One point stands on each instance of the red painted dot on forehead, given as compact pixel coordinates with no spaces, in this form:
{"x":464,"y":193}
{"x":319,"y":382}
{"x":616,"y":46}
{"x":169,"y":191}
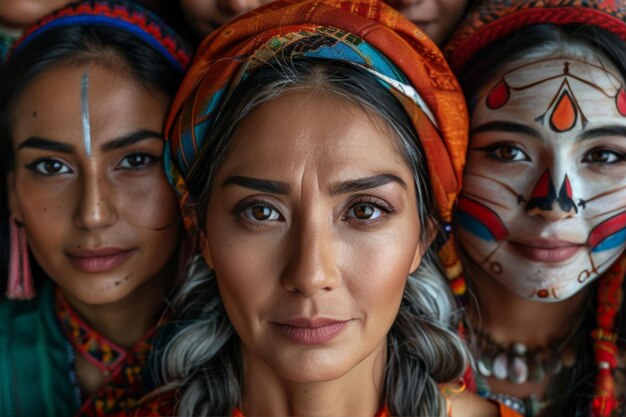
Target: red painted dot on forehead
{"x":498,"y":96}
{"x":620,"y":101}
{"x":543,"y":293}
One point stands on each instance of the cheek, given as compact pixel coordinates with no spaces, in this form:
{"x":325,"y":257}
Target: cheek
{"x":42,"y":207}
{"x":376,"y":267}
{"x":149,"y":204}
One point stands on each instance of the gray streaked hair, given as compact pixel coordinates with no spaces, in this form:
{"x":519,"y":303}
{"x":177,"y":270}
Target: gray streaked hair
{"x":202,"y":359}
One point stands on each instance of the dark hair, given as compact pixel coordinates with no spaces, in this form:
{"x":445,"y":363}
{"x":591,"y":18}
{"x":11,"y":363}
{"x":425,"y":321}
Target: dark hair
{"x":574,"y":395}
{"x":202,"y":358}
{"x":71,"y":45}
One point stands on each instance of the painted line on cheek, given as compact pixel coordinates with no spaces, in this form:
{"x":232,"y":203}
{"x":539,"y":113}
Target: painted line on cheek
{"x":480,"y":220}
{"x":609,"y":234}
{"x":84,"y":90}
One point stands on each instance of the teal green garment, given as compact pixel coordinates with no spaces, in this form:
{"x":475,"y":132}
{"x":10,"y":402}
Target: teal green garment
{"x":6,"y":41}
{"x":36,"y":362}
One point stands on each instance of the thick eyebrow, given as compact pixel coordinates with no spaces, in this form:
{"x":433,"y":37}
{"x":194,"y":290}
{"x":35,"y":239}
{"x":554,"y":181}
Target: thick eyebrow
{"x":130,"y":139}
{"x":602,"y":131}
{"x":367,"y":183}
{"x":512,"y":127}
{"x":257,"y":184}
{"x":36,"y":142}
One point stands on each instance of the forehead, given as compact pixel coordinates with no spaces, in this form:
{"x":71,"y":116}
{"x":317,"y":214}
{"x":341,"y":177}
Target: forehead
{"x":51,"y":105}
{"x":539,"y":89}
{"x":305,"y":127}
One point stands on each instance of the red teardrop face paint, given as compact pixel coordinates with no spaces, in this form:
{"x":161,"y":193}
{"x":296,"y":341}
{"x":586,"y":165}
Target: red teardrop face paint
{"x":498,"y":96}
{"x":547,"y":160}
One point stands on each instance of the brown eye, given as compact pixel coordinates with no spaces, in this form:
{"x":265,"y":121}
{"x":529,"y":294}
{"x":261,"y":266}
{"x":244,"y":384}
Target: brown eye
{"x":50,"y":167}
{"x":510,"y":153}
{"x":603,"y":156}
{"x":136,"y":161}
{"x":261,"y":213}
{"x":365,"y":212}
{"x":506,"y":153}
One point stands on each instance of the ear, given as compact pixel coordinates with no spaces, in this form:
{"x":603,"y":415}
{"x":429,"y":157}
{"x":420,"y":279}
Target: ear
{"x":431,"y":231}
{"x":13,"y":206}
{"x":205,"y":250}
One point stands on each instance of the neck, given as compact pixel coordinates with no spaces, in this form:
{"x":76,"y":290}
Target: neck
{"x":359,"y":392}
{"x":509,"y":318}
{"x":125,"y":321}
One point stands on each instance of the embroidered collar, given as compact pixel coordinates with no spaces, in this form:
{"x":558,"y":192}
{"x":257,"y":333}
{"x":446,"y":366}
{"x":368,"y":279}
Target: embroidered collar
{"x":125,"y":381}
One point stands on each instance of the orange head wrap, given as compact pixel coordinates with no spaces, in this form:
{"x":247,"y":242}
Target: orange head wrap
{"x":367,"y":33}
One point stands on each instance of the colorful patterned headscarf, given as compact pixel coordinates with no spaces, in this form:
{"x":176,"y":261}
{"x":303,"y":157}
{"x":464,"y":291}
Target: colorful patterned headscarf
{"x":123,"y":15}
{"x":492,"y":20}
{"x":367,"y":33}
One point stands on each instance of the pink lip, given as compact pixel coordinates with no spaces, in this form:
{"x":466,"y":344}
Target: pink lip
{"x":98,"y":260}
{"x":549,"y":251}
{"x":306,"y":331}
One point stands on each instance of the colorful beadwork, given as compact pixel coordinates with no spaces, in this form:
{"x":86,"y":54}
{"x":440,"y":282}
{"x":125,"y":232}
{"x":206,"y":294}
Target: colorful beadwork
{"x":123,"y":369}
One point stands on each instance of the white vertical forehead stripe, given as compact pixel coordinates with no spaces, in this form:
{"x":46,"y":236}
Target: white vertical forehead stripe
{"x":84,"y":92}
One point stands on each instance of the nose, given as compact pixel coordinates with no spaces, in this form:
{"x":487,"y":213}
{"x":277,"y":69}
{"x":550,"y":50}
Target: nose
{"x":547,"y":203}
{"x":313,"y":267}
{"x":96,"y":208}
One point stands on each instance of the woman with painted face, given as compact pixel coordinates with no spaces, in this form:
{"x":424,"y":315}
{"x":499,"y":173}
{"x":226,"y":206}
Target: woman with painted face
{"x":542,"y":215}
{"x":303,"y":144}
{"x":94,"y":227}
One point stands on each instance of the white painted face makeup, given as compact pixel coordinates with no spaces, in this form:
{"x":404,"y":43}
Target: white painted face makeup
{"x":543,"y":208}
{"x":84,"y":94}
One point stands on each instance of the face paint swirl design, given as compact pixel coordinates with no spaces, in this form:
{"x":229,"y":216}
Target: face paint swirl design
{"x":543,"y":209}
{"x":84,"y":94}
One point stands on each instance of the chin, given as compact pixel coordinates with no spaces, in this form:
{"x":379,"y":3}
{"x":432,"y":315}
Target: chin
{"x":311,"y":369}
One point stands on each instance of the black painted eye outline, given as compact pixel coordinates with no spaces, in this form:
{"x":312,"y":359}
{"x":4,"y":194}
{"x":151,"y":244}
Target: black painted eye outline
{"x":42,"y":167}
{"x":495,"y":151}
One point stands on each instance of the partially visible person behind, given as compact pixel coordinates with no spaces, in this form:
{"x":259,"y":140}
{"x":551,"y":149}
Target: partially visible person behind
{"x":204,"y":16}
{"x":317,"y":146}
{"x":94,"y":230}
{"x":542,"y":213}
{"x":16,"y":15}
{"x":437,"y":18}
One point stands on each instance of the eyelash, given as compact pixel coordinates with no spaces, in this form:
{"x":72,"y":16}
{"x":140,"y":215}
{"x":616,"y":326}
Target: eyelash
{"x":37,"y":167}
{"x":491,"y":150}
{"x":620,"y":156}
{"x":379,"y":204}
{"x":241,"y":208}
{"x":386,"y":209}
{"x":39,"y":171}
{"x":150,"y":160}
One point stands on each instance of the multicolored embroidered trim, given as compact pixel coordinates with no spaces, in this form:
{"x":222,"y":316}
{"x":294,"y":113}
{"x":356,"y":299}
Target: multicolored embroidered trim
{"x":124,"y":369}
{"x":125,"y":16}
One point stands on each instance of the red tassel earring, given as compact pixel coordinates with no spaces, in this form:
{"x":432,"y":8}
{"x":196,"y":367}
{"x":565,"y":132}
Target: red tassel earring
{"x":21,"y":285}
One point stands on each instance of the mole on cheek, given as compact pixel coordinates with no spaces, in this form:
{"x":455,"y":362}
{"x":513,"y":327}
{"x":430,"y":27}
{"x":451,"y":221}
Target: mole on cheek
{"x":34,"y":114}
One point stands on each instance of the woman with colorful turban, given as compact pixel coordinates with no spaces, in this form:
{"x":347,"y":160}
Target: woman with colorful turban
{"x":542,"y":214}
{"x":90,"y":229}
{"x":316,"y":147}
